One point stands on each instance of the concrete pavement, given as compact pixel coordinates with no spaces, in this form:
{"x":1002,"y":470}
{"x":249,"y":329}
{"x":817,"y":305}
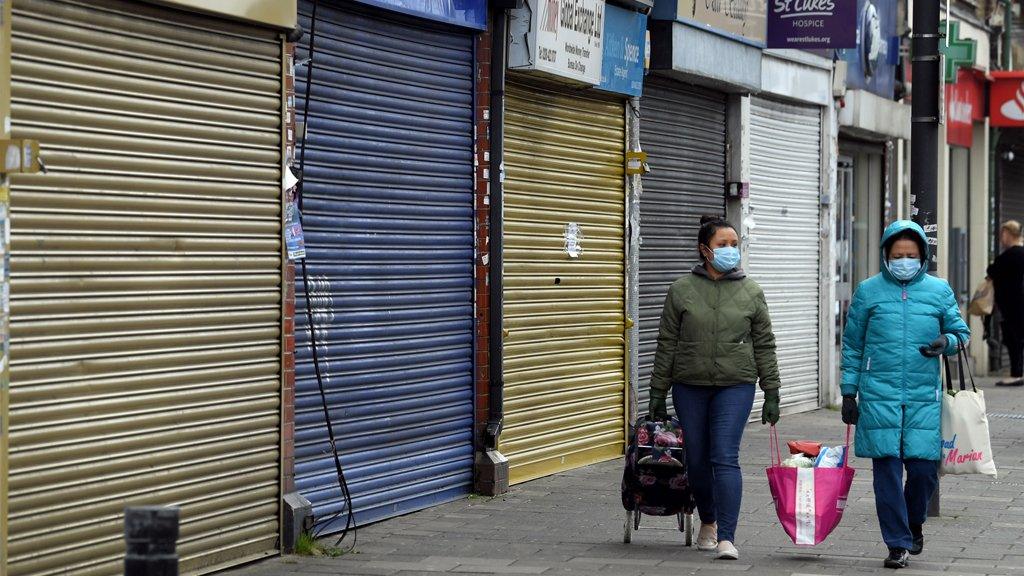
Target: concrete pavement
{"x":572,"y":523}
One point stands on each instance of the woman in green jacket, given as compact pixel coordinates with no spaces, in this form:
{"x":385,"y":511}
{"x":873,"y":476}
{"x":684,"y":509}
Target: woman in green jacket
{"x":714,"y":345}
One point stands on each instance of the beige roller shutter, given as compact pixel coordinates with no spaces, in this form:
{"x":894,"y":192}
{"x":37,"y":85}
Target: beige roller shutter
{"x":146,"y":285}
{"x":565,"y":348}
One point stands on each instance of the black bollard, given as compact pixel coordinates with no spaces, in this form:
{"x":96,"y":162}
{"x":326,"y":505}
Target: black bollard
{"x":151,"y":535}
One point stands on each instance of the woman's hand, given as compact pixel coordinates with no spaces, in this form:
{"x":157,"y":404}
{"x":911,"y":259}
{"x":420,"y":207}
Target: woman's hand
{"x":936,"y":348}
{"x":851,"y":413}
{"x":656,"y":407}
{"x":770,"y":409}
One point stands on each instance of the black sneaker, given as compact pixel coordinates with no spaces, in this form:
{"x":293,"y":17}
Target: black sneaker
{"x":898,"y":558}
{"x":918,"y":532}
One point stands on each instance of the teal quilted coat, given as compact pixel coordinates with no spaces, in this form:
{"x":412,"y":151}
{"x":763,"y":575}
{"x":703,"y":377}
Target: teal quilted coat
{"x":899,"y":390}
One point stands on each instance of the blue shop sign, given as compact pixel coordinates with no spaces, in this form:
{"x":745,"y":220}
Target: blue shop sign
{"x":872,"y":64}
{"x":467,"y":13}
{"x":622,"y":67}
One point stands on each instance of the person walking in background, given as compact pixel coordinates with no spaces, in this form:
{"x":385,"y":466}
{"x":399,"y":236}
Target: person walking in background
{"x":714,"y":344}
{"x":1007,"y":275}
{"x":900,"y":322}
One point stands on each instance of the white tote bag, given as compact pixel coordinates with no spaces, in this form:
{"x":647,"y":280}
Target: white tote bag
{"x":966,"y":445}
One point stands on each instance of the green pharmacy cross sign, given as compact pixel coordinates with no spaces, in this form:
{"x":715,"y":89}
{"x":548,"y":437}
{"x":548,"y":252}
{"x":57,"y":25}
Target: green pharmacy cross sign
{"x":959,"y":52}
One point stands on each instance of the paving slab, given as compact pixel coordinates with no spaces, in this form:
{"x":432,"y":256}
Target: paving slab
{"x":572,"y":523}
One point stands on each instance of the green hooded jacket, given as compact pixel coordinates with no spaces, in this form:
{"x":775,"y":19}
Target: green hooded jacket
{"x":715,"y":333}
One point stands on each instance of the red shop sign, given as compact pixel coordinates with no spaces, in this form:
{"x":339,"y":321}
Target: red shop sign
{"x":1006,"y":101}
{"x":965,"y":105}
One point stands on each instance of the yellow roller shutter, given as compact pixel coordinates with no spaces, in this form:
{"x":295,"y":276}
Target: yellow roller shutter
{"x":146,"y":285}
{"x":565,"y":348}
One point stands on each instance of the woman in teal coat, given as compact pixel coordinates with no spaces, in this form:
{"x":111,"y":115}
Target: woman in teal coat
{"x":899,"y":323}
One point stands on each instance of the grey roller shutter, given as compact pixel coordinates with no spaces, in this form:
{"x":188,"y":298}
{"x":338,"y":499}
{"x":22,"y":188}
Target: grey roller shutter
{"x":388,"y":214}
{"x":682,"y":129}
{"x":785,"y":247}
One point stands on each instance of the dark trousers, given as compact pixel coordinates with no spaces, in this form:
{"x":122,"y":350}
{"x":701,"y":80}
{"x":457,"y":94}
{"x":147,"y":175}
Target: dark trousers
{"x":1013,"y":339}
{"x":901,"y":505}
{"x":713,"y":418}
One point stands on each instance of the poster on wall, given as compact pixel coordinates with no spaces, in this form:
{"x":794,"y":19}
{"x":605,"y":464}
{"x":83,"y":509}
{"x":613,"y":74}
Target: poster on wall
{"x":812,"y":24}
{"x":562,"y":38}
{"x":872,"y":60}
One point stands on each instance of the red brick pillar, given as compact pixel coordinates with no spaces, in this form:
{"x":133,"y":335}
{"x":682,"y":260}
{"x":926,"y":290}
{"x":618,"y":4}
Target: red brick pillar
{"x":482,"y":206}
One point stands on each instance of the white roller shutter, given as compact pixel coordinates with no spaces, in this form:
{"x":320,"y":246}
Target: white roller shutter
{"x":785,"y":247}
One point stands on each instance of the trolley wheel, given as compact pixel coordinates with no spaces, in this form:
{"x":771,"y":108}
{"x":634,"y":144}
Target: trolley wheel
{"x":688,"y":528}
{"x":627,"y":528}
{"x":636,"y":519}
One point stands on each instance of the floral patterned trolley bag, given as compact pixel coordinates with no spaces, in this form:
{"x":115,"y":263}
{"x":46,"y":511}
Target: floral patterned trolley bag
{"x":654,"y":481}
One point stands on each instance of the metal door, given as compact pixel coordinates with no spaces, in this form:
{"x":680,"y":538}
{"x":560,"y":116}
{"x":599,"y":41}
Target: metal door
{"x":146,"y":292}
{"x":683,"y":133}
{"x":785,"y":248}
{"x":388,"y":215}
{"x":565,"y":349}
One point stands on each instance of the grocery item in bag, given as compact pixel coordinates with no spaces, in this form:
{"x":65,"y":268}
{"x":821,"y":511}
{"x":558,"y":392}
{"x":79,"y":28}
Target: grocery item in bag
{"x":808,"y":501}
{"x":831,"y":457}
{"x":798,"y":461}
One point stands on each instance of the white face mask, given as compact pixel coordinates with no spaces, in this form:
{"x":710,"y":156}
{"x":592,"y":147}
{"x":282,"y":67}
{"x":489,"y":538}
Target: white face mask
{"x":904,"y":269}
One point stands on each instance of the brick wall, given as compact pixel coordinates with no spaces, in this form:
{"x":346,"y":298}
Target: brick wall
{"x":288,"y":326}
{"x":483,"y":82}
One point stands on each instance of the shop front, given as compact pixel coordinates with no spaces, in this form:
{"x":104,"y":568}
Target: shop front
{"x":388,"y":184}
{"x":786,"y":253}
{"x":564,"y":310}
{"x":685,"y":130}
{"x":146,"y":292}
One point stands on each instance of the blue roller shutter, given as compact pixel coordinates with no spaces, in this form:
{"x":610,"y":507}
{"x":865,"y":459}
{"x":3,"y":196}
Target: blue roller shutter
{"x":388,"y":214}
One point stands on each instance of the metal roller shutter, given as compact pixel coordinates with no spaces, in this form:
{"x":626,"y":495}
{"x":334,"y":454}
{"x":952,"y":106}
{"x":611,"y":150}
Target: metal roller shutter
{"x":565,"y":348}
{"x":683,"y":133}
{"x":388,"y":214}
{"x":146,"y":285}
{"x":785,"y":252}
{"x":1011,"y":205}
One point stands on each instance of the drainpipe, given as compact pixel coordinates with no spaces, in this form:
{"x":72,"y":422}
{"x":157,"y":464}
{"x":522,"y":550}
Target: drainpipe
{"x":492,"y":466}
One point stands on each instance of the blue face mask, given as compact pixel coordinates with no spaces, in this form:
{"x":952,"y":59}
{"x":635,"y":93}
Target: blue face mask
{"x":726,"y":259}
{"x":904,"y":269}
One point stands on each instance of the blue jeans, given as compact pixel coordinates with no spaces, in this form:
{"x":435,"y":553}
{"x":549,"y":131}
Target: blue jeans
{"x":713,"y":418}
{"x":898,"y":505}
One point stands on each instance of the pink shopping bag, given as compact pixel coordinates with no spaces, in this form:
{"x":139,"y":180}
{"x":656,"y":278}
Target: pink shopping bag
{"x":809,"y":501}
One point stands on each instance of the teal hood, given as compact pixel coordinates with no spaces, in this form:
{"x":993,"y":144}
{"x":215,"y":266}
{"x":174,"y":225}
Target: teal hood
{"x":888,"y":237}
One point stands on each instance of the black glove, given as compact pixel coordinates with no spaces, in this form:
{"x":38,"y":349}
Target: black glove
{"x":936,"y":348}
{"x":851,"y":414}
{"x":770,"y":408}
{"x":656,"y":409}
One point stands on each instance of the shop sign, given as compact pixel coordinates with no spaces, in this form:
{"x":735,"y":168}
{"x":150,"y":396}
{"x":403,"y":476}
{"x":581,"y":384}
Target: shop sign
{"x":811,"y":24}
{"x":871,"y":63}
{"x":466,"y":13}
{"x":958,"y":52}
{"x":965,"y":105}
{"x":559,"y":37}
{"x":1006,"y":100}
{"x":622,"y":70}
{"x":742,"y":18}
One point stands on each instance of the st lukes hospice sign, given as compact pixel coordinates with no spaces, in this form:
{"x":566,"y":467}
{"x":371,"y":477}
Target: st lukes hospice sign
{"x":812,"y":24}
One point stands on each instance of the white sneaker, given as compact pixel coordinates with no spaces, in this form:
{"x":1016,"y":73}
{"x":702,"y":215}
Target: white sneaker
{"x":707,"y":538}
{"x":726,"y":551}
